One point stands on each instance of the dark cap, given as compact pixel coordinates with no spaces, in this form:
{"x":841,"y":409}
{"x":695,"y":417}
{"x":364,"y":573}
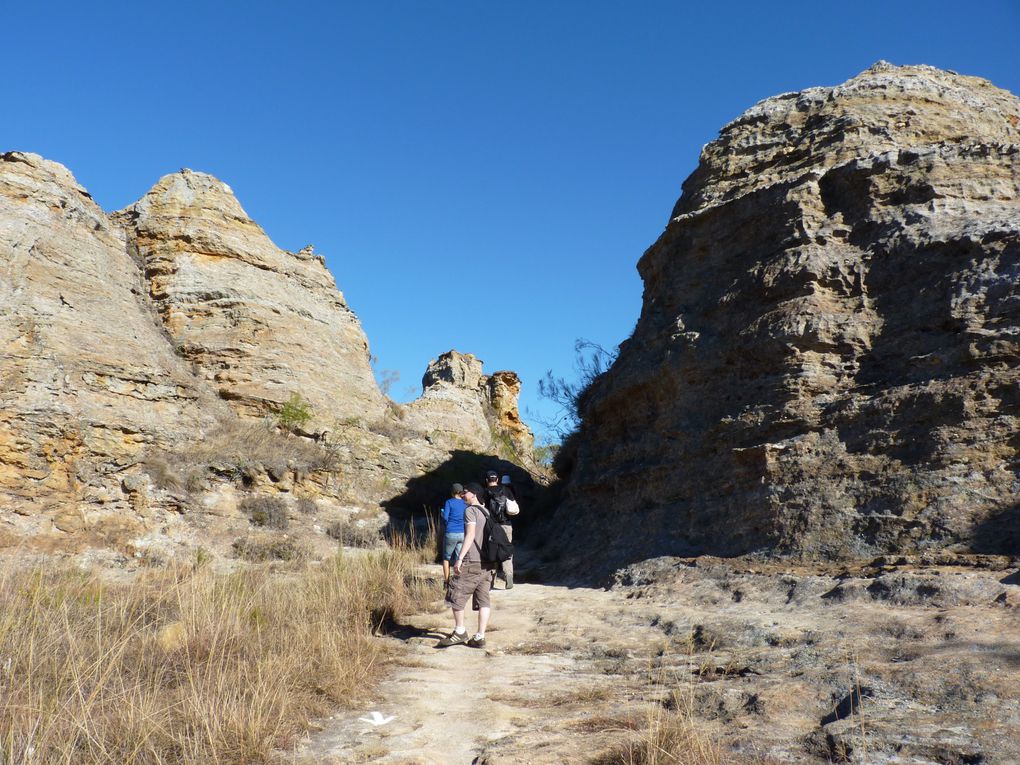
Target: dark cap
{"x":456,"y":489}
{"x":475,"y":489}
{"x":491,"y":475}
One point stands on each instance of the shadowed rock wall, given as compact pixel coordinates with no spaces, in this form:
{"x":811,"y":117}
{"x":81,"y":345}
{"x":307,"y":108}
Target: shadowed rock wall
{"x":826,"y":359}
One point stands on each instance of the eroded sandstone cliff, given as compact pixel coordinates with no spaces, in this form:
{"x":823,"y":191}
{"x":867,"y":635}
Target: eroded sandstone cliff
{"x":150,"y":355}
{"x":826,"y":359}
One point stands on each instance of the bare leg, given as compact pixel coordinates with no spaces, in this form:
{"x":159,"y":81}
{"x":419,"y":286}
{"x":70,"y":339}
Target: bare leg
{"x":458,"y":619}
{"x":483,"y":619}
{"x":446,"y":570}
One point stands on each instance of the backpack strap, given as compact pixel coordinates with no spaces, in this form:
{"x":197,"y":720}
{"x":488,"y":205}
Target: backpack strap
{"x":485,"y":514}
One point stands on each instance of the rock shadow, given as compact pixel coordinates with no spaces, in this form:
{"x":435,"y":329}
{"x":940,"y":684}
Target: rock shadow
{"x":415,"y":512}
{"x":1000,"y":534}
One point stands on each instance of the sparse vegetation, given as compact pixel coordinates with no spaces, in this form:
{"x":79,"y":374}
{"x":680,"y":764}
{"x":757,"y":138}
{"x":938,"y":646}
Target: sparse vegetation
{"x":385,"y":378}
{"x":351,"y":534}
{"x":263,"y":549}
{"x":265,"y":511}
{"x":238,"y":450}
{"x":307,"y":506}
{"x":295,"y":413}
{"x":591,"y":361}
{"x":185,"y":665}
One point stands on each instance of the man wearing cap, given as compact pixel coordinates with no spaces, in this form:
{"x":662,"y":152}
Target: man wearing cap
{"x":496,"y":496}
{"x":470,"y":579}
{"x":453,"y":522}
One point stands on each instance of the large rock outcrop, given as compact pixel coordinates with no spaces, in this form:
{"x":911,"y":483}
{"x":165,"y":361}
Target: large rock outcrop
{"x":149,"y":358}
{"x":260,"y":323}
{"x":825,"y":364}
{"x":88,"y":380}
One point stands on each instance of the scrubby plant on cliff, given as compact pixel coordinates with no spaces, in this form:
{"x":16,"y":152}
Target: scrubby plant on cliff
{"x":591,"y":361}
{"x":295,"y":413}
{"x":266,"y":511}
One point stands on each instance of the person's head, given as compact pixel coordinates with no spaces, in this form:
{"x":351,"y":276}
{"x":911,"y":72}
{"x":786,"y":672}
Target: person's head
{"x":456,"y":490}
{"x":472,"y":493}
{"x":505,"y":480}
{"x":491,"y":478}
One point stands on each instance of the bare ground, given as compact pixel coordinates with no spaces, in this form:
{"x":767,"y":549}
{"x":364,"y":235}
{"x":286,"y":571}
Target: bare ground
{"x":903,"y":662}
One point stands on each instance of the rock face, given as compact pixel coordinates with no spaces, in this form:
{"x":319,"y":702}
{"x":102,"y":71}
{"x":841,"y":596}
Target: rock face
{"x":148,"y":357}
{"x":88,"y":379}
{"x":491,"y":404}
{"x":259,"y":322}
{"x":825,"y":364}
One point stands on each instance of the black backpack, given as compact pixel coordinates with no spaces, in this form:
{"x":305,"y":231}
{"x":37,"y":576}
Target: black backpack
{"x":496,"y":503}
{"x":495,"y":547}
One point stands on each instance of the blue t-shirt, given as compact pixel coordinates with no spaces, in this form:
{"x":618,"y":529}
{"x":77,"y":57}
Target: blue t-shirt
{"x":453,"y":515}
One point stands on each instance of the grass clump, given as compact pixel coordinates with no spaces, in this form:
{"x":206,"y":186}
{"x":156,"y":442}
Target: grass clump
{"x":353,"y":535}
{"x":184,"y":665}
{"x":270,"y":512}
{"x":237,"y":449}
{"x":262,"y":550}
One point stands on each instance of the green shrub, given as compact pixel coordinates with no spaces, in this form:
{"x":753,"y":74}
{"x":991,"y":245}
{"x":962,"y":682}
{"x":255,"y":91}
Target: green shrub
{"x":266,"y":511}
{"x":294,"y":414}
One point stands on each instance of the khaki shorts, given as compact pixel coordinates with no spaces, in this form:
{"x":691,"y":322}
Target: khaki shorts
{"x":472,"y":580}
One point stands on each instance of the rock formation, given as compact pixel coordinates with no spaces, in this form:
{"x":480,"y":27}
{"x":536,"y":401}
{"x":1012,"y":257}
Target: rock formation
{"x":260,"y":323}
{"x":148,"y":357}
{"x":825,"y":364}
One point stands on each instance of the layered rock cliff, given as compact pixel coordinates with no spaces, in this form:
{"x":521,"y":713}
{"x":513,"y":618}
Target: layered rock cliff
{"x":149,"y":358}
{"x":825,"y":364}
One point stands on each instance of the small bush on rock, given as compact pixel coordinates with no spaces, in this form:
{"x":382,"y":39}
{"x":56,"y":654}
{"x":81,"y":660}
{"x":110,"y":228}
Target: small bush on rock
{"x":266,"y":511}
{"x":351,"y":535}
{"x":294,"y":414}
{"x":255,"y":550}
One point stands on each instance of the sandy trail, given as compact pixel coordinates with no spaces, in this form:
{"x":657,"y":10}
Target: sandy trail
{"x":542,"y":690}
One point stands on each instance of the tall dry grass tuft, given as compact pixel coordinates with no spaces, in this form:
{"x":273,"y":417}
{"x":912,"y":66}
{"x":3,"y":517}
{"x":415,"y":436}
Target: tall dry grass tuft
{"x":672,"y":734}
{"x":187,"y":665}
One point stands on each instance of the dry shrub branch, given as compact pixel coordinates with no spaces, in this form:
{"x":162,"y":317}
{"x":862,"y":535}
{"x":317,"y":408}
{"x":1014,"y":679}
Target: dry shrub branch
{"x":187,"y":666}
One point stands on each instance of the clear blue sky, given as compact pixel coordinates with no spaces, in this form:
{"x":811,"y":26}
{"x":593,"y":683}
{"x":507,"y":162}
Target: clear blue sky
{"x":479,"y":175}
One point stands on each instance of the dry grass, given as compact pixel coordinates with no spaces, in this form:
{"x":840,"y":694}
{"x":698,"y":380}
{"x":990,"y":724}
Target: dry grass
{"x":673,"y":735}
{"x":184,"y":665}
{"x":232,"y":450}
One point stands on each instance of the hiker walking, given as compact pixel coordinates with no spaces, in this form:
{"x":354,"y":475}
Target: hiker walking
{"x":470,"y":579}
{"x":453,"y":522}
{"x":496,"y":497}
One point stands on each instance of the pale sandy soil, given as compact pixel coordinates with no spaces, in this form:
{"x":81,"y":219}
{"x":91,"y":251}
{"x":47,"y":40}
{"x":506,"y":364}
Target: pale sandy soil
{"x":547,"y":687}
{"x":907,"y":662}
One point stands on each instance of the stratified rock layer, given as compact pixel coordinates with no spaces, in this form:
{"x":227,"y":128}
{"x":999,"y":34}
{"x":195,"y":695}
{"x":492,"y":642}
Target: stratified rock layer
{"x":826,"y":359}
{"x":88,"y":380}
{"x":148,"y":360}
{"x":260,"y":323}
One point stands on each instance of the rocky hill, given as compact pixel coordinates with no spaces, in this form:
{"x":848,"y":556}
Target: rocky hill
{"x":825,"y":364}
{"x":168,"y":363}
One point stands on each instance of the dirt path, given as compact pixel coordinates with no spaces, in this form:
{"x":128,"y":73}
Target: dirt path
{"x":549,"y":687}
{"x":894,"y":662}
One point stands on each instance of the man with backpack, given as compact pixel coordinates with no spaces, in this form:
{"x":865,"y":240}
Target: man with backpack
{"x":496,"y":499}
{"x":470,"y":579}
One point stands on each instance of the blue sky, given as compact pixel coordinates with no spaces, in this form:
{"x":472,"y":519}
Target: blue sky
{"x":479,"y":175}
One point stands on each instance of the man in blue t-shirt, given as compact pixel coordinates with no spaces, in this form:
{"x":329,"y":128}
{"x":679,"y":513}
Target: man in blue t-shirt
{"x":453,"y":521}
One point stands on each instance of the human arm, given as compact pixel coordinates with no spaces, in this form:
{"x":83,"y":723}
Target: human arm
{"x":469,"y":539}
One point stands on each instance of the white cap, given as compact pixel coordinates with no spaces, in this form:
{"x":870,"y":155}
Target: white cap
{"x":506,"y":480}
